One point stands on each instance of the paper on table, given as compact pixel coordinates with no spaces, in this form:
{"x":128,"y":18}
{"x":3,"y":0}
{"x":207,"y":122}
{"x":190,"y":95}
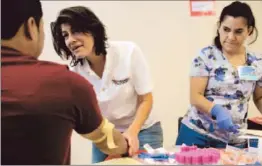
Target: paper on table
{"x":255,"y":133}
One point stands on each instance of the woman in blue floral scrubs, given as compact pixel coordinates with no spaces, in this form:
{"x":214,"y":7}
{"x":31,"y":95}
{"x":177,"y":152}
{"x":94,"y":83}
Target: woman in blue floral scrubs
{"x":220,"y":93}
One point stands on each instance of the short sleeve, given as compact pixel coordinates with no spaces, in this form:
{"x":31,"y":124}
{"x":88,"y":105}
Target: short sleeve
{"x":140,"y":72}
{"x":86,"y":110}
{"x":199,"y":67}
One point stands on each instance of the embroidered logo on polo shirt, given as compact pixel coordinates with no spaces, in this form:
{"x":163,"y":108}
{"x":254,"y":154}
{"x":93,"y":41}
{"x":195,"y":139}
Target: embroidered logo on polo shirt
{"x":120,"y":82}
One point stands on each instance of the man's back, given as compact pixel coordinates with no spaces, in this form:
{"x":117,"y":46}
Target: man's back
{"x":41,"y":105}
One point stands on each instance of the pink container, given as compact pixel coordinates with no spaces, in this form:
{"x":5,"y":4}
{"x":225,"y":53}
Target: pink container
{"x":178,"y":157}
{"x":182,"y":158}
{"x":199,"y":158}
{"x":192,"y":155}
{"x":205,"y":159}
{"x":184,"y":149}
{"x":215,"y":158}
{"x":195,"y":160}
{"x":192,"y":148}
{"x":188,"y":159}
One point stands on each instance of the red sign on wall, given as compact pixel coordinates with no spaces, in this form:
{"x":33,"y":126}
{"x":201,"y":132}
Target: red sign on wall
{"x":202,"y":7}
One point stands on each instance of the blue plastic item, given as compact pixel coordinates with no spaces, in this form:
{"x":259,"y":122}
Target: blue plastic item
{"x":156,"y":157}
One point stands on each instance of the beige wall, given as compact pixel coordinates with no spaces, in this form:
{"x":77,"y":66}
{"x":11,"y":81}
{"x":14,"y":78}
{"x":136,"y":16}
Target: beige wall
{"x":169,"y":37}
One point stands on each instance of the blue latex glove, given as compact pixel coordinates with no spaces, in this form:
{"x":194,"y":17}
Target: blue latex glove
{"x":224,"y":119}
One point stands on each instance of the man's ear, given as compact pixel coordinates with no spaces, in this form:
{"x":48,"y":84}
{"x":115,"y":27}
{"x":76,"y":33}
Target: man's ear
{"x":30,"y":28}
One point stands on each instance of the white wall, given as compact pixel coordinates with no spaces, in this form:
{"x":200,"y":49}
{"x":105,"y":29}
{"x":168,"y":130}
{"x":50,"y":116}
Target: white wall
{"x":169,"y":37}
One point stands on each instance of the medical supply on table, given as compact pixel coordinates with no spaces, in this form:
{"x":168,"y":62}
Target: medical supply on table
{"x":159,"y":154}
{"x":254,"y":140}
{"x":186,"y":155}
{"x":191,"y":155}
{"x":156,"y":156}
{"x":235,"y":156}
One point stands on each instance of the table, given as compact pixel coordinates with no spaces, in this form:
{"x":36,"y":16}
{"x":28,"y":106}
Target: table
{"x":135,"y":161}
{"x":131,"y":161}
{"x":120,"y":161}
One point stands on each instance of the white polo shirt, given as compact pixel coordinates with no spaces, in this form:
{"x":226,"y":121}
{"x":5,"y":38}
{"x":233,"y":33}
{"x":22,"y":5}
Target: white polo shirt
{"x":126,"y":75}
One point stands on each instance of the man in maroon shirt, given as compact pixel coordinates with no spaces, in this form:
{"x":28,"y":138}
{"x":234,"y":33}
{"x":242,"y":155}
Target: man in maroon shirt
{"x":42,"y":102}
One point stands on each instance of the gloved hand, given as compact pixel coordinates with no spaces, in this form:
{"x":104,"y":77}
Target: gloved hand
{"x":223,"y":119}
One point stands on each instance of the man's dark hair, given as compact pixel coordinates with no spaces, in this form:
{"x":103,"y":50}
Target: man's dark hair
{"x":15,"y":13}
{"x":81,"y":19}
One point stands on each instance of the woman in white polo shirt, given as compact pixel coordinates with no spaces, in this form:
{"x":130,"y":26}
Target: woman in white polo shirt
{"x":118,"y":72}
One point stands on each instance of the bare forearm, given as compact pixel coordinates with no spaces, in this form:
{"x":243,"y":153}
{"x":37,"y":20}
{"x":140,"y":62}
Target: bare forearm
{"x":108,"y":139}
{"x":119,"y":141}
{"x":257,"y":98}
{"x":142,"y":114}
{"x":258,"y":104}
{"x":201,"y":103}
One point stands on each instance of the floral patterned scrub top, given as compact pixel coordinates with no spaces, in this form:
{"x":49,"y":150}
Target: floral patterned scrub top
{"x":225,"y":88}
